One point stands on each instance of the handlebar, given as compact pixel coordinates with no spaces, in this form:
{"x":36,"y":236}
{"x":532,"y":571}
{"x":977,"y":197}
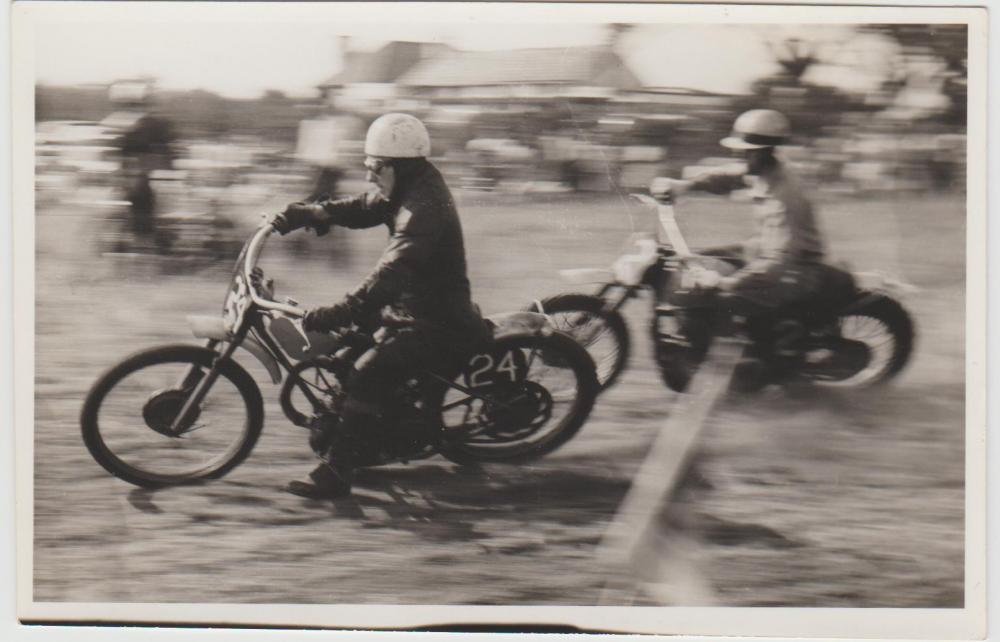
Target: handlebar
{"x":254,"y":249}
{"x":668,"y":222}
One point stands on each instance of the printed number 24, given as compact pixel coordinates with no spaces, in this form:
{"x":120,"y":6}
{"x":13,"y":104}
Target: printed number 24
{"x":481,"y":375}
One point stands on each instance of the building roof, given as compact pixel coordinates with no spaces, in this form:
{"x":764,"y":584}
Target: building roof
{"x":384,"y":65}
{"x":680,"y":91}
{"x":594,"y":66}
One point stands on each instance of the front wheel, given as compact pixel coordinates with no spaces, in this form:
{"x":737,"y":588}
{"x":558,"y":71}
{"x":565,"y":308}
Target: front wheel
{"x":518,"y":400}
{"x":602,"y":332}
{"x":128,"y":415}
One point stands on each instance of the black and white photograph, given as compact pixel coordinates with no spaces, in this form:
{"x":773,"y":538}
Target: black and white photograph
{"x":524,"y":317}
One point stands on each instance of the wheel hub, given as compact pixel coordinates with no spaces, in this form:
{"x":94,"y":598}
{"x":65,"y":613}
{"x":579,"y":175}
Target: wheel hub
{"x":513,"y":412}
{"x":840,"y":359}
{"x":162,"y":408}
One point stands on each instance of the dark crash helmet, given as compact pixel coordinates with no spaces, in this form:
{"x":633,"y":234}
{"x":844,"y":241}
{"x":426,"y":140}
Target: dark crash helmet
{"x":758,"y":128}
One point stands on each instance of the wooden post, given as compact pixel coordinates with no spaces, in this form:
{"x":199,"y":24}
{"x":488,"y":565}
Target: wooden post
{"x":633,"y":531}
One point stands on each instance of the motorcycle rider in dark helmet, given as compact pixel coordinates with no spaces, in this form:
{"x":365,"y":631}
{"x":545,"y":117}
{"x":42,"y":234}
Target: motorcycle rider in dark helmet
{"x":782,"y":265}
{"x":418,"y":292}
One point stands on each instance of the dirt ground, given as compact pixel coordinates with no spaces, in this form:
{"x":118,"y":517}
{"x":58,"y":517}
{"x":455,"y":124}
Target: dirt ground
{"x":802,"y":497}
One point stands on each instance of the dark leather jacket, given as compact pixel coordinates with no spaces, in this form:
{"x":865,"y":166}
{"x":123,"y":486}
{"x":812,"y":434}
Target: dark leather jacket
{"x":421,"y":274}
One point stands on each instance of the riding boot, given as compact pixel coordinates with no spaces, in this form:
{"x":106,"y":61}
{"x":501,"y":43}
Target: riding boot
{"x":351,"y":441}
{"x":329,"y":480}
{"x":332,"y":477}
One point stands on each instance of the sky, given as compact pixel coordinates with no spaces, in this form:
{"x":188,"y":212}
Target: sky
{"x":243,"y":57}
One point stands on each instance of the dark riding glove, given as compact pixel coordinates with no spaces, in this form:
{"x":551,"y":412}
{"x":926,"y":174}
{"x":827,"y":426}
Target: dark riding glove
{"x":299,"y":215}
{"x":329,"y":318}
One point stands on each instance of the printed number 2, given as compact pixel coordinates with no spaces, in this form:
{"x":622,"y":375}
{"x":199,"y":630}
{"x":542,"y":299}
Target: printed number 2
{"x":507,"y":365}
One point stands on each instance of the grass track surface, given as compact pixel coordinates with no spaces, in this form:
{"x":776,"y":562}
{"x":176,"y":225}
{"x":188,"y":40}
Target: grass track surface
{"x":800,"y":497}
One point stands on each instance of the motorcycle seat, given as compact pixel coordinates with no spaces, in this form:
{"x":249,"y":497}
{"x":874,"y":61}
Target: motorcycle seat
{"x":836,"y":287}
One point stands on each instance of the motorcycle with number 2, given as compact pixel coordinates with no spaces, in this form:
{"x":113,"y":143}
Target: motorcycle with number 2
{"x":180,"y":413}
{"x":856,"y":334}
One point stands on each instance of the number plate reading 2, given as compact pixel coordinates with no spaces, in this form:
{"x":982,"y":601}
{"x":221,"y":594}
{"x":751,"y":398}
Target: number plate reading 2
{"x":502,"y":367}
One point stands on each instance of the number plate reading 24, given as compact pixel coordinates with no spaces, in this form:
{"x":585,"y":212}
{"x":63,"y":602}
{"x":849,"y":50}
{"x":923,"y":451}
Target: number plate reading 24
{"x":504,"y":366}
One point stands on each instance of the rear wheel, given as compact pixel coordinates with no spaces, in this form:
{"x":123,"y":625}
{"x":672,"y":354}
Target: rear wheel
{"x":521,"y":399}
{"x":127,"y":417}
{"x":884,"y":331}
{"x":602,"y":332}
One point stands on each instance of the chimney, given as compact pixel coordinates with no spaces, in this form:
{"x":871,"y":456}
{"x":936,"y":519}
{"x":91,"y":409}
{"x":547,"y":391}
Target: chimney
{"x":616,"y":32}
{"x":344,"y":48}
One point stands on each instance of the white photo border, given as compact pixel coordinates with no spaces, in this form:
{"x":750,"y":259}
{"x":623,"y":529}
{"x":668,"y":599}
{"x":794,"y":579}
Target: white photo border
{"x":965,"y":623}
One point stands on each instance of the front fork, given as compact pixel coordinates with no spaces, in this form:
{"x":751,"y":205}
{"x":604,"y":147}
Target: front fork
{"x":203,"y":381}
{"x":195,"y":373}
{"x":615,"y":303}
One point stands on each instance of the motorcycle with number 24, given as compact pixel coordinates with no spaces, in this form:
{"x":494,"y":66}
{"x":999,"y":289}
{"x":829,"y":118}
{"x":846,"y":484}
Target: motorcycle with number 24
{"x":856,"y":334}
{"x":180,"y":413}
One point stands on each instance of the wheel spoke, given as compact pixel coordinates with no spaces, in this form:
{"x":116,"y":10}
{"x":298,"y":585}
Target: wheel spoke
{"x":466,"y":401}
{"x":881,"y":341}
{"x":593,"y":332}
{"x":308,"y":390}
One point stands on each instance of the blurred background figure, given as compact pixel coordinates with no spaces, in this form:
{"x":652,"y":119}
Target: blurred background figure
{"x":327,"y":145}
{"x":146,"y":146}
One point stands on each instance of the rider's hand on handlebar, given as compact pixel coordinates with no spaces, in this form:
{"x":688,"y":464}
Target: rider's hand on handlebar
{"x":330,"y":318}
{"x":703,"y":279}
{"x":299,"y":215}
{"x":663,"y":187}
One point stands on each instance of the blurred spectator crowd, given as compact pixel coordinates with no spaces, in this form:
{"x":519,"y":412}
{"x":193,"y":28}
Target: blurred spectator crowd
{"x":515,"y":121}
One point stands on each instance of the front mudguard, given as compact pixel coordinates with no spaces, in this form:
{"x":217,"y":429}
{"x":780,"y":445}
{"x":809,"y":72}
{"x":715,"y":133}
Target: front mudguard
{"x":206,"y":327}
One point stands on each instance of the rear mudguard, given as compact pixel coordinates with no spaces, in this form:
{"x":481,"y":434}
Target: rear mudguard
{"x":862,"y":299}
{"x":881,"y":283}
{"x":206,"y":327}
{"x":510,"y":324}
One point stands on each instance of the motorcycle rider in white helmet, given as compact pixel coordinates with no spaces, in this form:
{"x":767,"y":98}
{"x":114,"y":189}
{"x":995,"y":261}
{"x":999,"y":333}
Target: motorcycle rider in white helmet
{"x":418,"y":291}
{"x":782,"y":265}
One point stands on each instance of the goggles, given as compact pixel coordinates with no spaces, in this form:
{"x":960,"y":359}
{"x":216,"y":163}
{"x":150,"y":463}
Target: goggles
{"x":375,"y":165}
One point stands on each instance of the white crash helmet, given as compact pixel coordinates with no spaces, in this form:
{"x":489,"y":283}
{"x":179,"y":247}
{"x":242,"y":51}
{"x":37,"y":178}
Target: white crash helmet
{"x":398,"y":136}
{"x":758,"y":128}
